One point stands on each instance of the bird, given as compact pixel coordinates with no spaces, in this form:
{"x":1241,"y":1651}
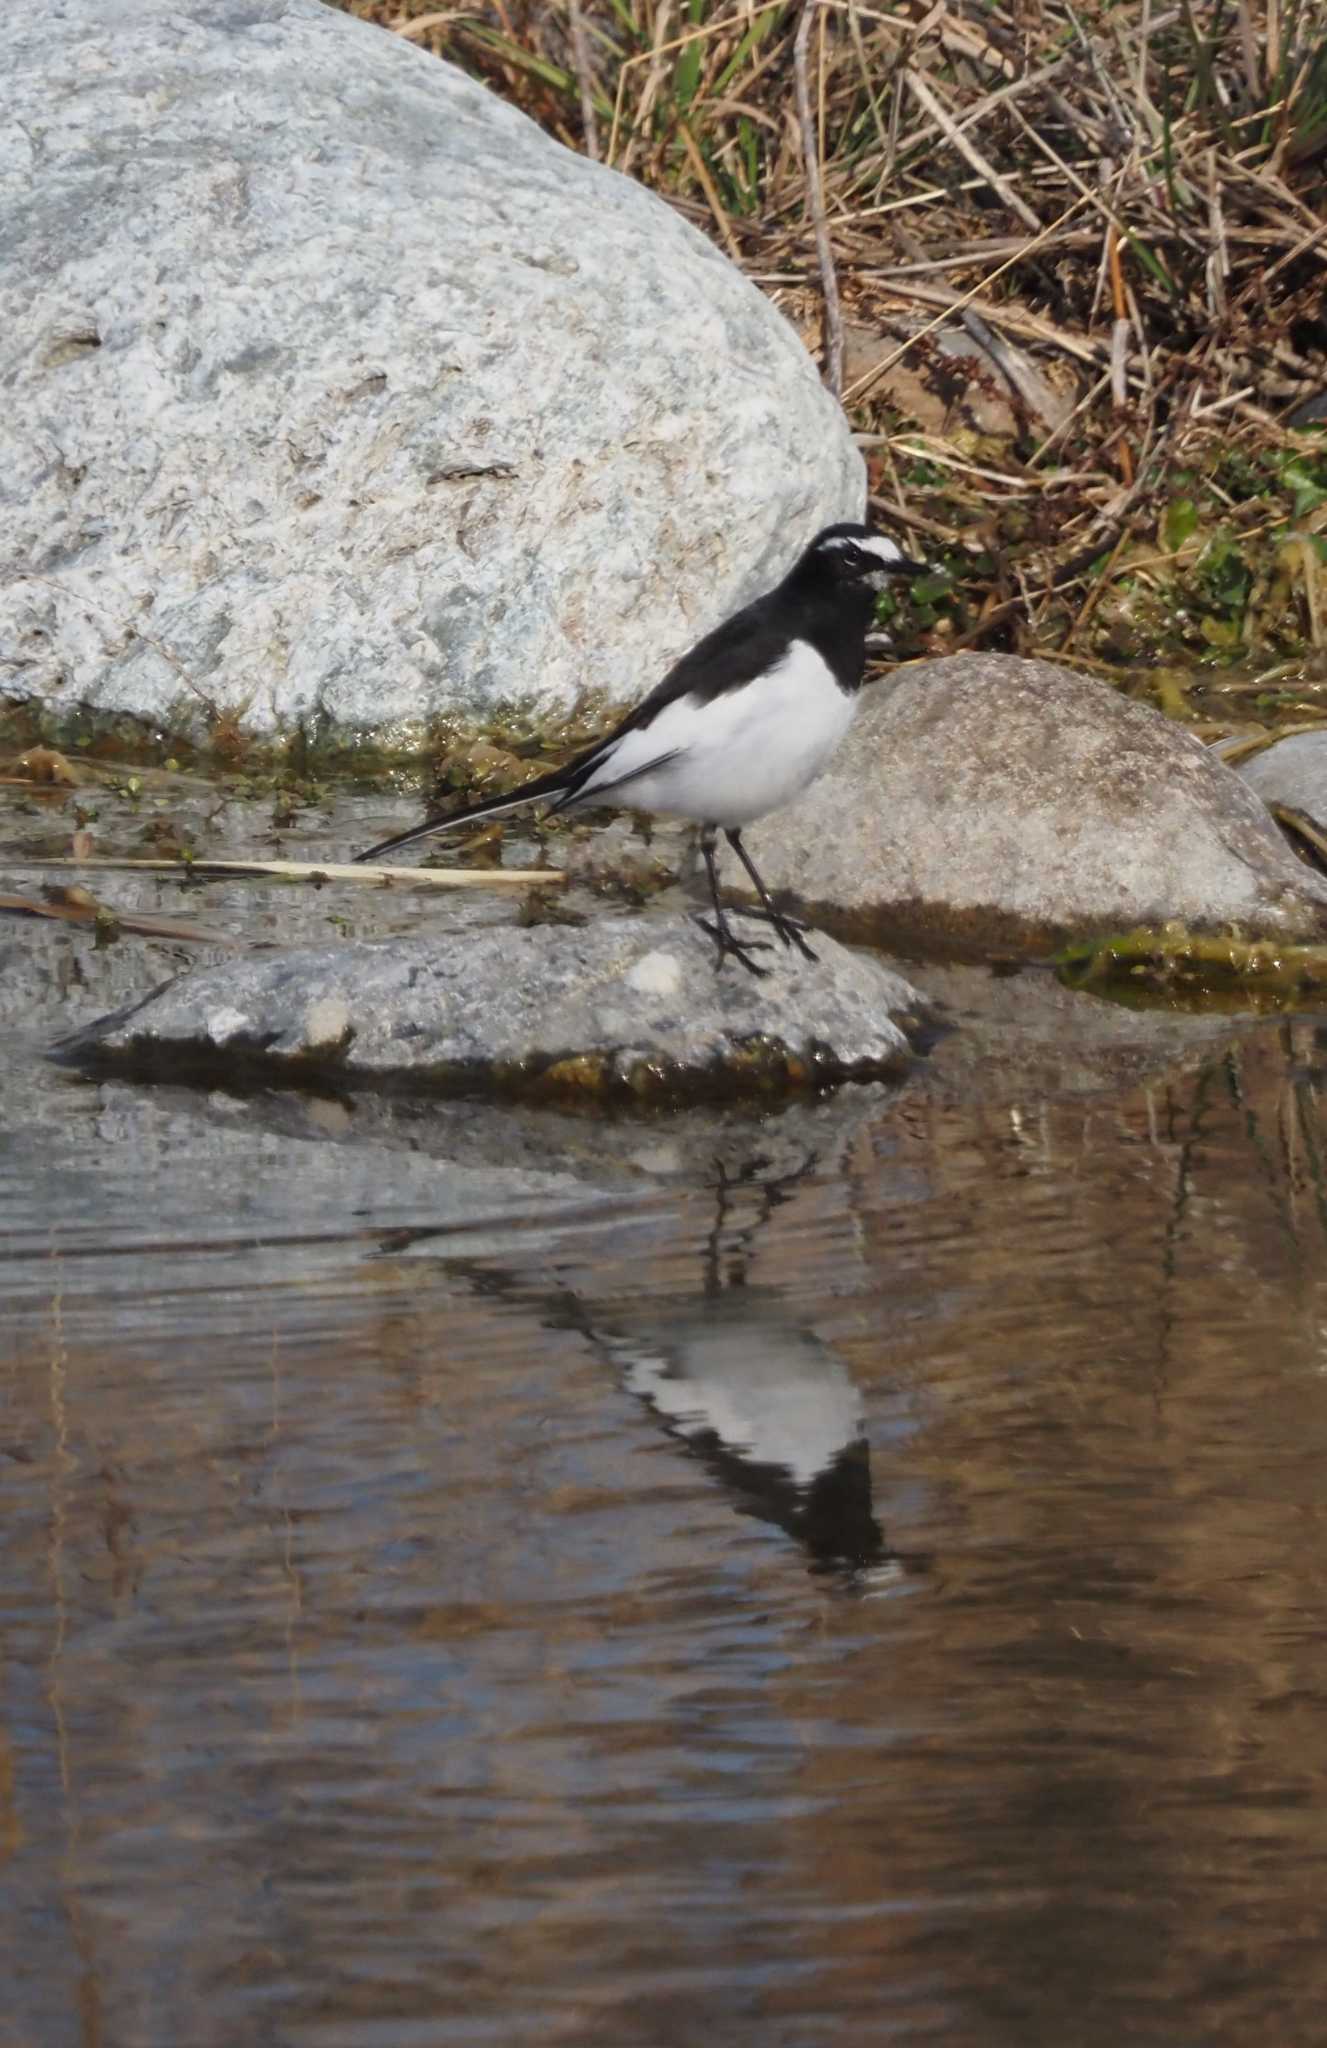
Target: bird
{"x":740,"y":725}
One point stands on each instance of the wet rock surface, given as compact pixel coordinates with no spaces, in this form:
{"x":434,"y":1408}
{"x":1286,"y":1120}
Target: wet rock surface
{"x":619,"y":1008}
{"x":252,"y":1167}
{"x":984,"y":802}
{"x":317,"y":354}
{"x":1005,"y":1040}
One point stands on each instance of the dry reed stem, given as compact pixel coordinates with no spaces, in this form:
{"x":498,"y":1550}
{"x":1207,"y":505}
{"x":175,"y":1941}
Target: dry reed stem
{"x":584,"y":78}
{"x":815,"y":199}
{"x":954,"y":302}
{"x":954,"y":135}
{"x":321,"y":871}
{"x":94,"y":914}
{"x":442,"y":17}
{"x":711,"y":191}
{"x":1309,"y":570}
{"x":1244,"y":748}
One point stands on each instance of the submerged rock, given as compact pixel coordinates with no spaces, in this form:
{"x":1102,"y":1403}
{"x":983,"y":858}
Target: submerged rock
{"x":620,"y":1008}
{"x":983,"y":802}
{"x":339,"y":396}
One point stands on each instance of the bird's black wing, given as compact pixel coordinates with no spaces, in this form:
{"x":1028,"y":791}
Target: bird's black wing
{"x":734,"y":654}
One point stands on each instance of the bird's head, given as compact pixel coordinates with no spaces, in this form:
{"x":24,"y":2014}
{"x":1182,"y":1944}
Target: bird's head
{"x":857,"y":557}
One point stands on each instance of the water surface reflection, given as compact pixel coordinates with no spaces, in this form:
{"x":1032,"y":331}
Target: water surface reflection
{"x":423,"y":1620}
{"x":760,"y":1399}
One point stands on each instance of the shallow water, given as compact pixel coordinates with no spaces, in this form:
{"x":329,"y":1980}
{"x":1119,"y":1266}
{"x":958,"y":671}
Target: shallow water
{"x":481,"y":1577}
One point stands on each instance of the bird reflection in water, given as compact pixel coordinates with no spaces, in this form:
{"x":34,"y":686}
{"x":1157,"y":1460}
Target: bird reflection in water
{"x":765,"y":1405}
{"x":763,"y":1402}
{"x":772,"y":1412}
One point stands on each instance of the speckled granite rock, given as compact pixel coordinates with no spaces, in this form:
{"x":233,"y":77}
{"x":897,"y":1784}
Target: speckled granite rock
{"x":339,"y":396}
{"x":622,"y":1007}
{"x":983,"y":802}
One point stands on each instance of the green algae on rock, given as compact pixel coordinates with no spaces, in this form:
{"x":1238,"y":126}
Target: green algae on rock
{"x":1199,"y":968}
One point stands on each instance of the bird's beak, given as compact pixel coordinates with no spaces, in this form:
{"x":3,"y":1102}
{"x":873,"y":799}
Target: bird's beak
{"x":901,"y":571}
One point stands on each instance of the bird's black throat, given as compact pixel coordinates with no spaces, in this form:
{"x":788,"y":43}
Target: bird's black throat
{"x":835,"y":622}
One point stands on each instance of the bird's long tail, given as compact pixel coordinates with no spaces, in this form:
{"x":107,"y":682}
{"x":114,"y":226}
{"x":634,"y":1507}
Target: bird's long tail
{"x":551,"y":785}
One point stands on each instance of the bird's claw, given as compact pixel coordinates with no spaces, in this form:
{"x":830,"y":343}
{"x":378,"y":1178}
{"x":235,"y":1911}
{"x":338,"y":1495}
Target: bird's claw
{"x":789,"y":929}
{"x":727,"y":944}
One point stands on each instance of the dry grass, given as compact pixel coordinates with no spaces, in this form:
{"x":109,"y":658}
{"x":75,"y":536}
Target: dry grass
{"x":1081,"y":258}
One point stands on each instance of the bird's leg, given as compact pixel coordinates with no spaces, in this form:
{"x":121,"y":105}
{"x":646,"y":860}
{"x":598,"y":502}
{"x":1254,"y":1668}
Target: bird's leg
{"x":721,"y":931}
{"x":789,"y":929}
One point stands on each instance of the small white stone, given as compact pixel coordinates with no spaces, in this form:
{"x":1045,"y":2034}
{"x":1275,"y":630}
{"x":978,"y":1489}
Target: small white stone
{"x":326,"y":1022}
{"x":223,"y":1025}
{"x":655,"y":974}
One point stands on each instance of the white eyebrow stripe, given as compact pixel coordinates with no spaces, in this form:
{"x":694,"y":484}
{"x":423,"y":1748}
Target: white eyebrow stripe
{"x":875,"y":544}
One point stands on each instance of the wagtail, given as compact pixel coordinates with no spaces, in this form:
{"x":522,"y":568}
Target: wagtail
{"x":738,"y":726}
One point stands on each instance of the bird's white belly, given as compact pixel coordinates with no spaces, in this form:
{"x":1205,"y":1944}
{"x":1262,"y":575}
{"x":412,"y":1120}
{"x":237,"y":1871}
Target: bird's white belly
{"x":742,"y":753}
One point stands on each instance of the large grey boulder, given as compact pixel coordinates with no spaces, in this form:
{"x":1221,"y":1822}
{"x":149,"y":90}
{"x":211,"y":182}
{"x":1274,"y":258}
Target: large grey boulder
{"x":338,"y":396}
{"x":986,"y":802}
{"x":620,"y":1007}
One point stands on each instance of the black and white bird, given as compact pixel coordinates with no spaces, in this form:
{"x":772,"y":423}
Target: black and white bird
{"x":739,"y":725}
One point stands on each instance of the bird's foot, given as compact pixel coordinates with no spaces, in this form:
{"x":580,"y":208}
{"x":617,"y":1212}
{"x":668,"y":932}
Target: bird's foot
{"x":789,"y":928}
{"x":723,"y":938}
